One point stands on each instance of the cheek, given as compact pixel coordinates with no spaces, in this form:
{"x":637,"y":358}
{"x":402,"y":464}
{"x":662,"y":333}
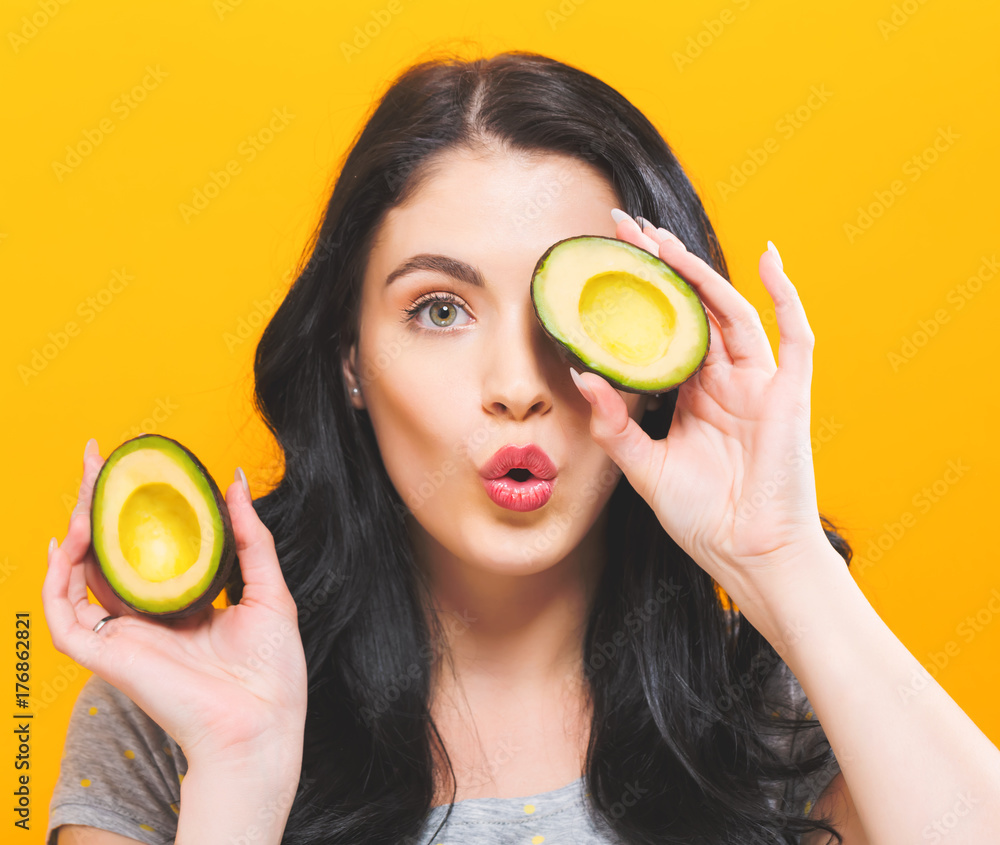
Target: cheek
{"x":422,"y":425}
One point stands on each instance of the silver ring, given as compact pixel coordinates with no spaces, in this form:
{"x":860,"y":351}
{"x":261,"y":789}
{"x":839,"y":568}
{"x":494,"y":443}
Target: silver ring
{"x":101,"y":624}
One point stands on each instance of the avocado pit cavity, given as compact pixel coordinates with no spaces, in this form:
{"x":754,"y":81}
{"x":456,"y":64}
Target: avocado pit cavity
{"x":158,"y":532}
{"x":640,"y":321}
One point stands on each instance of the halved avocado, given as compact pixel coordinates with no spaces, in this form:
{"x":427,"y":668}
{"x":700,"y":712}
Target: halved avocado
{"x":160,"y":528}
{"x":620,"y":311}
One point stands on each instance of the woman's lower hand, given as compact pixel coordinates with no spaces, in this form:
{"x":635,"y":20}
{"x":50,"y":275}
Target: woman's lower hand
{"x":222,"y":683}
{"x":732,"y":482}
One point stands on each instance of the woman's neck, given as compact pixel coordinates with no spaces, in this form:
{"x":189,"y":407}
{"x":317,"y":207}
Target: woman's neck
{"x":508,"y":631}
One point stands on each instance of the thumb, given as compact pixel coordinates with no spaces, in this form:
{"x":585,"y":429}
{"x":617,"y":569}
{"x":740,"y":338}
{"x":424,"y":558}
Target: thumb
{"x":618,"y":434}
{"x":262,"y":577}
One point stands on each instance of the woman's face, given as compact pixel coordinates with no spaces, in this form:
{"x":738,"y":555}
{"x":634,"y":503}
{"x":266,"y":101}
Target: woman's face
{"x":468,"y":375}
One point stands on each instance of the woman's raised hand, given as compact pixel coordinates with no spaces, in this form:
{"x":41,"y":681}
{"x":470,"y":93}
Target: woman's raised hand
{"x":732,"y":482}
{"x":220,"y":682}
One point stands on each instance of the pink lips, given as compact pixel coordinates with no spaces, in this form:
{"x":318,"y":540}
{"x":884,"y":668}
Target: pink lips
{"x":519,"y":495}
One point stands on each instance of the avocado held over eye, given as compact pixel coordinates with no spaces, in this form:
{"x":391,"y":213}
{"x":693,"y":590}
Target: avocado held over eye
{"x":620,"y":311}
{"x":160,"y":528}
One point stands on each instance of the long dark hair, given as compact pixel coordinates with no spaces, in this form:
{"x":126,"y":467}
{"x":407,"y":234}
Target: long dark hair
{"x":681,"y":708}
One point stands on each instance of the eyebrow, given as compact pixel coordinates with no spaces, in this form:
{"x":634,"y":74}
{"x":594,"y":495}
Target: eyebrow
{"x":439,"y":264}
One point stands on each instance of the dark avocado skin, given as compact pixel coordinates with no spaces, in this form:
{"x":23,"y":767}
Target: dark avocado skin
{"x":571,"y":358}
{"x":228,"y":546}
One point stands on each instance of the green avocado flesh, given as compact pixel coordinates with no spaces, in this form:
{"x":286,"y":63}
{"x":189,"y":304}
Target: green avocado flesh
{"x":160,"y":528}
{"x":620,"y":311}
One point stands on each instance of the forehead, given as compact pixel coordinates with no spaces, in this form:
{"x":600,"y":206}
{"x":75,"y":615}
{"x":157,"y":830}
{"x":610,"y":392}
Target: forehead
{"x":495,"y":205}
{"x":494,"y":171}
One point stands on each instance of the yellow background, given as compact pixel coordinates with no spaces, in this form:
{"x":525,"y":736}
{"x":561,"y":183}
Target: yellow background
{"x":717,"y":78}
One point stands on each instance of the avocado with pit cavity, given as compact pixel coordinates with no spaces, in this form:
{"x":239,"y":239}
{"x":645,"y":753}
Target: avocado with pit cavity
{"x":160,"y":528}
{"x":619,"y":311}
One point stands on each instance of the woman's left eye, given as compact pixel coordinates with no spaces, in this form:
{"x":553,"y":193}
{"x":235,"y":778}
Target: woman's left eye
{"x":442,"y":312}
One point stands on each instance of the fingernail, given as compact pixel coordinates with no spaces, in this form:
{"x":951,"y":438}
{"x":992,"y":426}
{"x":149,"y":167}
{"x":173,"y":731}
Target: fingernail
{"x":52,"y":546}
{"x":670,"y":237}
{"x":774,"y":251}
{"x":586,"y":391}
{"x":618,"y":215}
{"x":643,"y":222}
{"x":242,"y":479}
{"x":91,"y":444}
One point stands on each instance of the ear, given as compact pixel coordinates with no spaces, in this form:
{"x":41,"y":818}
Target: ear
{"x":351,"y":379}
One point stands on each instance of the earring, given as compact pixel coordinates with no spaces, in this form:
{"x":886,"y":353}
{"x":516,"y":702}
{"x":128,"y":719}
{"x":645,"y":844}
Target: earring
{"x":355,"y":392}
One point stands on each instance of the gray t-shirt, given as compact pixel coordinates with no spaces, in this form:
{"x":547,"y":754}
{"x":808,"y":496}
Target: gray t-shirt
{"x":121,"y":772}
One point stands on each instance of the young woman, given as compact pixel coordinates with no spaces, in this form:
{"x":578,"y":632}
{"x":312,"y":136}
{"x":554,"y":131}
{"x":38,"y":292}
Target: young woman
{"x":411,"y":656}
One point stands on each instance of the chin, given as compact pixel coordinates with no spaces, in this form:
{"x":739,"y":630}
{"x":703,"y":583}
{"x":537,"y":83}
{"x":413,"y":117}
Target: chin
{"x":493,"y":539}
{"x":509,"y":548}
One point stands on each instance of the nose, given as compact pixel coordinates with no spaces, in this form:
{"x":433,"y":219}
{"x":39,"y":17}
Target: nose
{"x":520,"y":363}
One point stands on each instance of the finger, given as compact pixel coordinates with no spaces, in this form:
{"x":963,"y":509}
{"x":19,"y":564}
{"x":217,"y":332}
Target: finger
{"x":258,"y":561}
{"x":717,"y":351}
{"x":91,"y":459}
{"x":79,"y":577}
{"x":651,"y":238}
{"x":90,"y":613}
{"x":796,"y":338}
{"x":77,"y":544}
{"x":618,"y":434}
{"x":628,"y":230}
{"x":71,"y":628}
{"x":742,"y":328}
{"x":77,"y":590}
{"x":658,"y":234}
{"x":77,"y":539}
{"x":90,"y":575}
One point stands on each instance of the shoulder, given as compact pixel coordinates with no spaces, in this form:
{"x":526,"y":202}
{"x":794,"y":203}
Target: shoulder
{"x":102,"y":709}
{"x":784,"y":698}
{"x":104,"y":714}
{"x":96,"y":693}
{"x":824,"y":792}
{"x":119,"y":772}
{"x":784,"y":694}
{"x":97,"y":690}
{"x":836,"y":804}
